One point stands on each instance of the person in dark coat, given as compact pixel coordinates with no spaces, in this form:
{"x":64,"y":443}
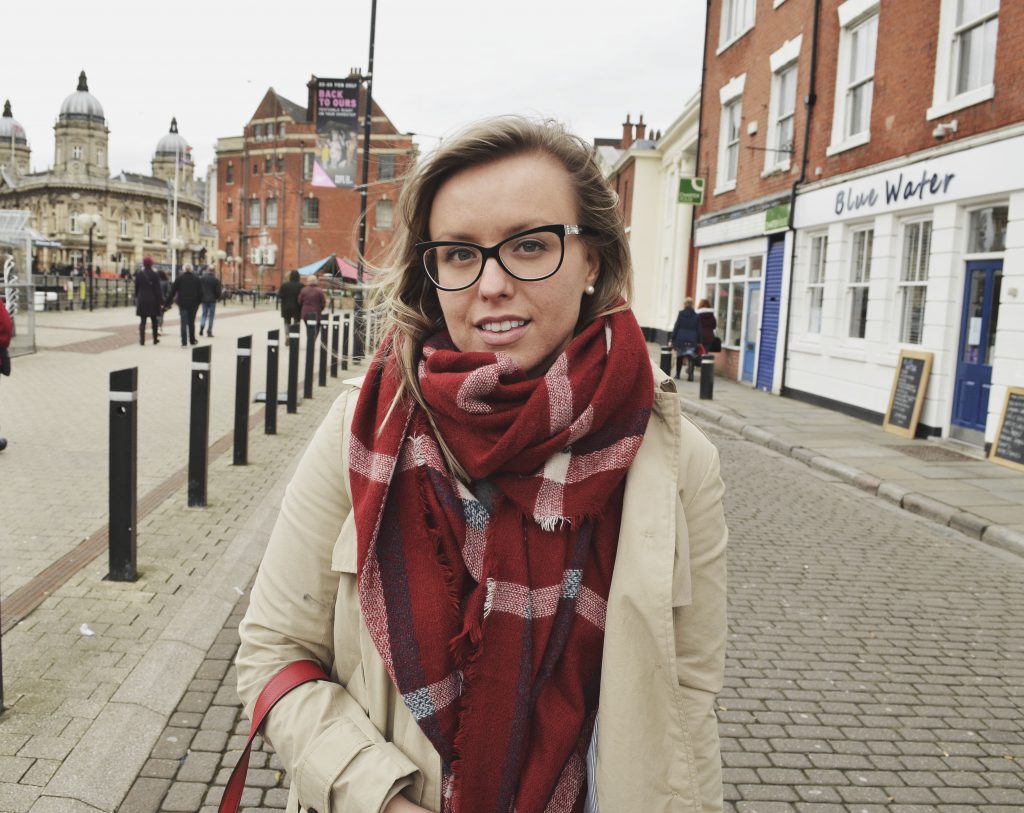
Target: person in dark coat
{"x":686,"y":338}
{"x":148,"y":300}
{"x":6,"y":332}
{"x":211,"y":293}
{"x":189,"y":292}
{"x":311,"y":300}
{"x":288,"y":295}
{"x":708,"y":325}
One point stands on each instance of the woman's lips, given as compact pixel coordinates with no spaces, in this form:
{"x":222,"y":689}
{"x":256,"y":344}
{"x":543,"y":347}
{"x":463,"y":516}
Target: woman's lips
{"x":501,"y":337}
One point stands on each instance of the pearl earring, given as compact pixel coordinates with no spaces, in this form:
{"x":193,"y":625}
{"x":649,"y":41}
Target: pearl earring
{"x":589,"y":290}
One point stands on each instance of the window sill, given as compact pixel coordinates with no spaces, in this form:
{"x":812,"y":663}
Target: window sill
{"x":851,"y":352}
{"x":777,"y":169}
{"x":726,"y":45}
{"x":848,"y":144}
{"x":729,"y":186}
{"x":971,"y":97}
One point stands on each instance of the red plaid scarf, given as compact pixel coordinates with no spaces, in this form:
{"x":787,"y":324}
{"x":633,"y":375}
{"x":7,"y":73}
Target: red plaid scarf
{"x":487,"y":602}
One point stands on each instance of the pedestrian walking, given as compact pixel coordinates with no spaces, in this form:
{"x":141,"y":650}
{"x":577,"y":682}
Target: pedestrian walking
{"x":686,"y":338}
{"x":508,"y":546}
{"x":165,"y":291}
{"x":211,"y":294}
{"x":187,"y":290}
{"x":708,"y":326}
{"x":148,"y":300}
{"x":289,"y":298}
{"x":311,"y":300}
{"x":6,"y":334}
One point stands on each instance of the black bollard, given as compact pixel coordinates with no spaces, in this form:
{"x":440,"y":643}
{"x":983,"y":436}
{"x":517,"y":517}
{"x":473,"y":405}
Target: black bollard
{"x":335,"y":330}
{"x":707,"y":378}
{"x":346,"y":329}
{"x":199,"y":426}
{"x":270,"y":413}
{"x":322,"y":376}
{"x":243,"y":377}
{"x":293,"y":369}
{"x":123,"y":473}
{"x":666,"y":359}
{"x":307,"y":383}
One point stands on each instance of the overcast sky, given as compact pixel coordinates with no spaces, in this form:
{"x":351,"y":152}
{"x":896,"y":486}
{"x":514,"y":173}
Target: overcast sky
{"x":438,"y":65}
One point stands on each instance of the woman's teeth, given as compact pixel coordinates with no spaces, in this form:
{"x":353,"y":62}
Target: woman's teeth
{"x":501,"y":327}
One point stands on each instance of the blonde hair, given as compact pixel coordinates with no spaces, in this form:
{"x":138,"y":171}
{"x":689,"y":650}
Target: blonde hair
{"x":403,"y":299}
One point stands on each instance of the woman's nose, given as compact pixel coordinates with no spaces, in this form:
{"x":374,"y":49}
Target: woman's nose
{"x":494,"y":282}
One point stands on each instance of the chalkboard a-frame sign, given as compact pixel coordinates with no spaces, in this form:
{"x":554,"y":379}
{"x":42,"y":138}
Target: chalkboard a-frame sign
{"x":910,"y":383}
{"x":1008,"y":447}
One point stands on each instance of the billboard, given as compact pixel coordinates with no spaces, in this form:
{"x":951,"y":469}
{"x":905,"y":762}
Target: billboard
{"x":337,"y":139}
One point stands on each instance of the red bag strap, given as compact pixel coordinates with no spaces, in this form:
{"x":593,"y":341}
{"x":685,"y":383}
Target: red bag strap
{"x":292,"y":675}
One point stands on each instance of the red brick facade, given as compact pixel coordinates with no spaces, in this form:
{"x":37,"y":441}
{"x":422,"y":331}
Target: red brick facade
{"x":274,"y":167}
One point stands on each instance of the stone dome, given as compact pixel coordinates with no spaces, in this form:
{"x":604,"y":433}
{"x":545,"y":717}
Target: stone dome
{"x":82,"y":104}
{"x":173,"y":143}
{"x":9,"y":127}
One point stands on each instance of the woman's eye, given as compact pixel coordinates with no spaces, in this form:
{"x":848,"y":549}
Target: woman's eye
{"x":459,"y":254}
{"x":530,"y":246}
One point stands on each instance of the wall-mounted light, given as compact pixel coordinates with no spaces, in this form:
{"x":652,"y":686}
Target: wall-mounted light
{"x":942,"y":129}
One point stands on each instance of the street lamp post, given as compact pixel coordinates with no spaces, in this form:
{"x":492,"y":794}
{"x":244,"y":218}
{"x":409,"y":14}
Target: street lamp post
{"x":176,"y":244}
{"x":91,"y":221}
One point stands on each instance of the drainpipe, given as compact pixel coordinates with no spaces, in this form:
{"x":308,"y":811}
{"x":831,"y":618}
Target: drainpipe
{"x":691,"y":277}
{"x":809,"y":106}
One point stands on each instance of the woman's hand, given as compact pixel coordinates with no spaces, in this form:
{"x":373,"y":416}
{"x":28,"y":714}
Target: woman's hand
{"x":402,"y":805}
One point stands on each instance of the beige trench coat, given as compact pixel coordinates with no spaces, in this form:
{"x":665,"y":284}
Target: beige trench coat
{"x":351,"y":745}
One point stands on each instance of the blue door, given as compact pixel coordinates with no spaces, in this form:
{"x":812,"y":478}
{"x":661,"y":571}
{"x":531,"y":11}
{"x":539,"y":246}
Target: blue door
{"x":770,"y":318}
{"x":751,"y":331}
{"x":977,"y":340}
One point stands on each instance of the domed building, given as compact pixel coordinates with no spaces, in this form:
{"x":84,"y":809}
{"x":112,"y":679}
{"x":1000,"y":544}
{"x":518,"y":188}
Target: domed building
{"x":136,"y":210}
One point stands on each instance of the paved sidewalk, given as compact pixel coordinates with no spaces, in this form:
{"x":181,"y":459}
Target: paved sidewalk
{"x":94,"y":675}
{"x":945,"y":481}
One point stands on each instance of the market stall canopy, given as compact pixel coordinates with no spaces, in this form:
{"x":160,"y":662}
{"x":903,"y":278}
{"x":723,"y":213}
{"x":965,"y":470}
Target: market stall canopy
{"x":333,"y":266}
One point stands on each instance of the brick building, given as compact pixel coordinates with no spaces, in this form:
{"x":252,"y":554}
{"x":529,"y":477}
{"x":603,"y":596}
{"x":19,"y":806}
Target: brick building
{"x":862,"y":162}
{"x":271,"y":217}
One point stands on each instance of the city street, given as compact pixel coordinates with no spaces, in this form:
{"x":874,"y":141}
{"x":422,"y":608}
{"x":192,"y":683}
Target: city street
{"x":875,"y":661}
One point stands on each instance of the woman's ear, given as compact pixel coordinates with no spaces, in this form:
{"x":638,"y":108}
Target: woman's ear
{"x":593,"y":265}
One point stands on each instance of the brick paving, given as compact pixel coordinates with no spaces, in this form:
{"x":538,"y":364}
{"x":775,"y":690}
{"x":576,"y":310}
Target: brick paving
{"x":875,"y":661}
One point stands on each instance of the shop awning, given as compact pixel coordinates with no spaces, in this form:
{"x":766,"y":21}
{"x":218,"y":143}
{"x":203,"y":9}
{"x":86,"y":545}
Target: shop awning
{"x":332,"y":266}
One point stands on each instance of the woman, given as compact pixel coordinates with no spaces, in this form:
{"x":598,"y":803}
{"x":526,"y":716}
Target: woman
{"x":312,"y":301}
{"x":510,"y":522}
{"x":148,"y":300}
{"x":288,"y":295}
{"x":708,"y":325}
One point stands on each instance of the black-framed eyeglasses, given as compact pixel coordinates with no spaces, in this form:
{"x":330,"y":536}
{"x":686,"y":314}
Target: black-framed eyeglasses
{"x":530,"y":256}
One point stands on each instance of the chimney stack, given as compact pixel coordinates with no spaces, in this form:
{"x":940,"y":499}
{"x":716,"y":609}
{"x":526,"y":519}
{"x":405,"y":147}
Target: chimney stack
{"x":641,"y":129}
{"x":627,"y":134}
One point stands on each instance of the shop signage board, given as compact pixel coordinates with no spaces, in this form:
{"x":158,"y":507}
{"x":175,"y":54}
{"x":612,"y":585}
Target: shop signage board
{"x":776,"y":218}
{"x":691,"y":190}
{"x":909,"y":385}
{"x":1008,"y":447}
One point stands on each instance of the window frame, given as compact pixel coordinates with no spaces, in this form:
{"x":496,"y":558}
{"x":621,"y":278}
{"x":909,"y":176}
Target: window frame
{"x":270,"y":212}
{"x":918,"y":284}
{"x":311,"y":211}
{"x":73,"y":225}
{"x":858,"y":281}
{"x":782,"y":62}
{"x":229,"y":209}
{"x":255,"y":213}
{"x":727,"y":35}
{"x":384,"y":224}
{"x":853,"y":16}
{"x":229,"y":173}
{"x":944,"y":98}
{"x":730,"y":97}
{"x":816,"y":276}
{"x":387,"y":160}
{"x":307,"y":166}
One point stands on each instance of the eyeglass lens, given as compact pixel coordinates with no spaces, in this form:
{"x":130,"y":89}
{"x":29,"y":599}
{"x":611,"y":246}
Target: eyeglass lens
{"x":530,"y":257}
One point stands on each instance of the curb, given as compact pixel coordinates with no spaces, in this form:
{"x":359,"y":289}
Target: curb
{"x":970,"y":525}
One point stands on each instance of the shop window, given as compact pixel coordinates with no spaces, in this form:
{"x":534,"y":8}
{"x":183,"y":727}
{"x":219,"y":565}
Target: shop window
{"x":384,"y":215}
{"x":737,"y":19}
{"x":855,"y":79}
{"x":310,"y":211}
{"x":917,"y":246}
{"x":986,"y":231}
{"x":254,"y":212}
{"x":725,"y":288}
{"x":816,"y":282}
{"x":860,"y":278}
{"x":271,"y":211}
